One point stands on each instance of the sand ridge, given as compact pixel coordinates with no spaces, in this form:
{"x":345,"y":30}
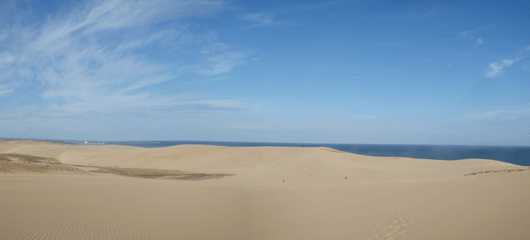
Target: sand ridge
{"x":259,"y":163}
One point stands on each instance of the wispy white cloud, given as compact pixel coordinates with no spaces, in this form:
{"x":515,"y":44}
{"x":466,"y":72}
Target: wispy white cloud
{"x":3,"y":36}
{"x":142,"y":105}
{"x":523,"y":112}
{"x":466,"y":33}
{"x":222,"y":63}
{"x":260,"y":18}
{"x":314,"y":6}
{"x":5,"y":89}
{"x":105,"y":58}
{"x":354,"y":117}
{"x":484,"y":115}
{"x":6,"y":58}
{"x":214,"y":48}
{"x":417,"y":10}
{"x":494,"y":69}
{"x":271,"y":17}
{"x":364,"y":117}
{"x":221,"y":59}
{"x":479,"y":42}
{"x":217,"y":105}
{"x":504,"y":113}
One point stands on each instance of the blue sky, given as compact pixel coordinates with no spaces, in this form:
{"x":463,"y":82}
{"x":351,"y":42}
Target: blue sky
{"x":383,"y":72}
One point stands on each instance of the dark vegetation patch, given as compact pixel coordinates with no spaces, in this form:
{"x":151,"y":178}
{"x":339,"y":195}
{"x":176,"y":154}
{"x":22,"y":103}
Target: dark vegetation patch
{"x":498,"y":171}
{"x":13,"y":163}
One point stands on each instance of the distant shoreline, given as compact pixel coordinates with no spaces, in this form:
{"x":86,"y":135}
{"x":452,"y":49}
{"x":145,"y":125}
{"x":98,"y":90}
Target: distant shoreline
{"x":519,"y":155}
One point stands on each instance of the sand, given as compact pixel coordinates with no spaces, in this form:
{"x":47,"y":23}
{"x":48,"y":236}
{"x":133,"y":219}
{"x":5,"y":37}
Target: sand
{"x":60,"y":191}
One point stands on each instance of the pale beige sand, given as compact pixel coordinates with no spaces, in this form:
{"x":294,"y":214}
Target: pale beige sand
{"x":382,"y":198}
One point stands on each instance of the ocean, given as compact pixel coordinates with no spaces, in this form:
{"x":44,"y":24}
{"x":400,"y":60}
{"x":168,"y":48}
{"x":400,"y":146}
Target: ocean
{"x":511,"y":154}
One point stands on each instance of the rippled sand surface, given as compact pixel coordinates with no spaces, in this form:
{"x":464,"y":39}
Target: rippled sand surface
{"x":56,"y":191}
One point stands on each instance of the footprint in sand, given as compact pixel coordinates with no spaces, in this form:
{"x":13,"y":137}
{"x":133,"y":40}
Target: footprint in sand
{"x":394,"y":222}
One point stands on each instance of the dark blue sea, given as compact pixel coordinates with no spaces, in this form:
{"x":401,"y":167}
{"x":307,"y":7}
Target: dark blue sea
{"x":515,"y":155}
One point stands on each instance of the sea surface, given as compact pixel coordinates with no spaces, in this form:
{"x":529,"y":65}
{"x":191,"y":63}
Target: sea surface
{"x":510,"y":154}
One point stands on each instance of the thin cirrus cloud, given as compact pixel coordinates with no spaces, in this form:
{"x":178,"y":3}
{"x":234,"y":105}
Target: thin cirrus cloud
{"x":99,"y":58}
{"x":5,"y":89}
{"x":479,"y":42}
{"x":271,"y":18}
{"x":466,"y":33}
{"x":260,"y":19}
{"x":364,"y":117}
{"x":221,"y":60}
{"x":507,"y":113}
{"x":416,"y":10}
{"x":223,"y":63}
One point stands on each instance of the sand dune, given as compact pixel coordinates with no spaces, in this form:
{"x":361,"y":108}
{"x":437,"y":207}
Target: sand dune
{"x":209,"y":192}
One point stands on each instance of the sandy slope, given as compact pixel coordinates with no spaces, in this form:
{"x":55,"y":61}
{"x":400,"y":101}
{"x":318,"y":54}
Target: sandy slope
{"x":382,"y":198}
